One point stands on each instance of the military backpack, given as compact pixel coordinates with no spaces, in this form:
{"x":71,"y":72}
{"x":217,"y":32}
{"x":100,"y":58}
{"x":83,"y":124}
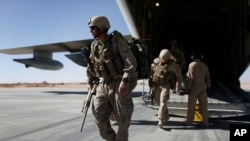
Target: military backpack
{"x":139,"y":49}
{"x":161,"y":75}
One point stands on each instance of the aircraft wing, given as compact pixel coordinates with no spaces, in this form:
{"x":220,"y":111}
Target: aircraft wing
{"x":72,"y":46}
{"x":43,"y":54}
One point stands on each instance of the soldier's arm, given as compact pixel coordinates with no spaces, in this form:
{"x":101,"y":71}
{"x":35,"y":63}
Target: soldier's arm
{"x":127,"y":57}
{"x":208,"y":79}
{"x":178,"y":77}
{"x":90,"y":69}
{"x":189,"y":76}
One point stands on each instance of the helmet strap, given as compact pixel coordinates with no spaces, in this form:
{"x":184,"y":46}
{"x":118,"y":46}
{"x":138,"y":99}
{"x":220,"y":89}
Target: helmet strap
{"x":99,"y":32}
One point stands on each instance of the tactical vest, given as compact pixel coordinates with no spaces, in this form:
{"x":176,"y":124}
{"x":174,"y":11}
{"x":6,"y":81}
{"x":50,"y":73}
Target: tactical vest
{"x":161,"y":75}
{"x":107,"y":62}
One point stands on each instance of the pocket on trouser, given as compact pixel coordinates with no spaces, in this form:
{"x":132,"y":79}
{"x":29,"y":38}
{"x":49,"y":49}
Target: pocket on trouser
{"x":157,"y":96}
{"x":125,"y":107}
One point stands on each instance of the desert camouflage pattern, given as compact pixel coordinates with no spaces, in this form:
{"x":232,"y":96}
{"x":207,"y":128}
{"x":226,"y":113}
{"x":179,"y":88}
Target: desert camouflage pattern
{"x":107,"y":99}
{"x":161,"y":91}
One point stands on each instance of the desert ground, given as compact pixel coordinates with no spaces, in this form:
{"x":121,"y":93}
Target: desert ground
{"x":73,"y":85}
{"x":51,"y":112}
{"x":245,"y":86}
{"x":43,"y":84}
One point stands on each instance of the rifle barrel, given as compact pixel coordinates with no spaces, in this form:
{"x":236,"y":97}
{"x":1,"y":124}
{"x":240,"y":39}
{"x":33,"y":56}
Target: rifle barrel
{"x":86,"y":104}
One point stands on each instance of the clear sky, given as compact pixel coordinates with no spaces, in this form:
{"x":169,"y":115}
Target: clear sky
{"x":36,"y":22}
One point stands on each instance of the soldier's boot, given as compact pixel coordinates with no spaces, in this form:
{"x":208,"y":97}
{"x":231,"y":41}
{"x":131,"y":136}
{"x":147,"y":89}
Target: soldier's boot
{"x":160,"y":124}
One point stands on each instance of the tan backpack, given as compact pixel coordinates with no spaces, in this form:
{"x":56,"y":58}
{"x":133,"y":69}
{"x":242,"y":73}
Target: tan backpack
{"x":162,"y":76}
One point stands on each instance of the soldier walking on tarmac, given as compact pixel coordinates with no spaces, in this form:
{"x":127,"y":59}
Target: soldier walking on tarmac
{"x":198,"y":81}
{"x":165,"y":74}
{"x":114,"y":64}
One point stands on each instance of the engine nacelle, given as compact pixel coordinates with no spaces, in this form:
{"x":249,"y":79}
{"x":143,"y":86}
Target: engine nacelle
{"x":41,"y":64}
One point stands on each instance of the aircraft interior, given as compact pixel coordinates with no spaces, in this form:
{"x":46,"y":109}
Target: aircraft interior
{"x":217,"y":28}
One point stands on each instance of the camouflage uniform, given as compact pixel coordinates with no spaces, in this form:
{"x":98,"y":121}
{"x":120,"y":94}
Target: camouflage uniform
{"x":179,"y":57}
{"x":198,"y":80}
{"x":108,"y":99}
{"x":161,"y":91}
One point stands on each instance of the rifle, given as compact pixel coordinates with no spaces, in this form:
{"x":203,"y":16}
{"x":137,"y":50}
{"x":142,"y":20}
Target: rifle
{"x":87,"y":102}
{"x":151,"y":96}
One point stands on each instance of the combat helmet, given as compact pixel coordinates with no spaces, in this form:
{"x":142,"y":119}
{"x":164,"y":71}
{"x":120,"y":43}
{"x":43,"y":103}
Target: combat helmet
{"x":165,"y":54}
{"x":99,"y":21}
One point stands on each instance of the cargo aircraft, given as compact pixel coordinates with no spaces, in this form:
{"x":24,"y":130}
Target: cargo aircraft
{"x":218,"y":28}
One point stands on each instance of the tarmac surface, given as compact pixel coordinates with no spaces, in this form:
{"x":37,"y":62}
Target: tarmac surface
{"x":54,"y":114}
